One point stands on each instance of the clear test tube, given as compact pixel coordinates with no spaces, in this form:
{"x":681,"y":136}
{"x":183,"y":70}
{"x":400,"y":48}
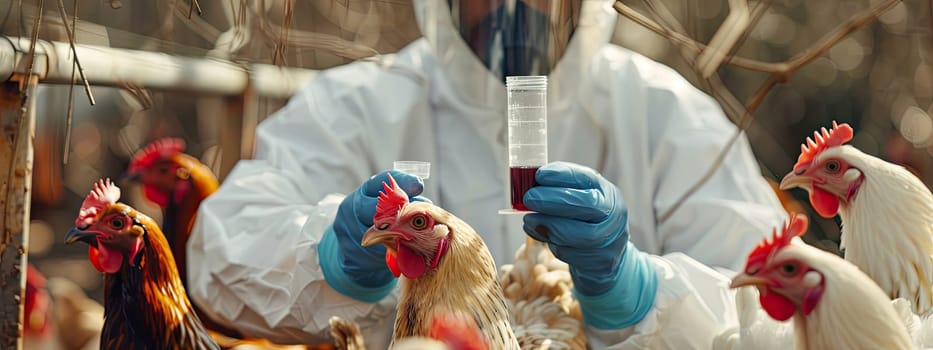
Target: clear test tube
{"x":417,"y":168}
{"x":527,"y":118}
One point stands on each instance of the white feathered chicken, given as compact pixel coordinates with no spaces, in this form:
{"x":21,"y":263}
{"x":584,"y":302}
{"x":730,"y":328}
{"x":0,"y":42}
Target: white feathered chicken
{"x":886,"y":212}
{"x":833,"y":304}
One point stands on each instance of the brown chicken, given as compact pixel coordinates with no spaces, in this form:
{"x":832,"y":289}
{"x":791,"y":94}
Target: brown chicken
{"x":145,"y":304}
{"x":39,"y":331}
{"x":58,"y":315}
{"x":176,"y":182}
{"x":445,"y":267}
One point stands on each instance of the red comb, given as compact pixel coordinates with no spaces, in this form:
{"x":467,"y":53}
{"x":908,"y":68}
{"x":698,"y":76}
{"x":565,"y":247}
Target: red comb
{"x":104,"y":193}
{"x":796,"y":226}
{"x":840,"y":134}
{"x":156,"y":150}
{"x":390,"y":201}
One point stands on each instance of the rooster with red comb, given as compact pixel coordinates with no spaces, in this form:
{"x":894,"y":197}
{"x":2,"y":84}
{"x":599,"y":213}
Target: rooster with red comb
{"x":177,"y":183}
{"x":445,"y":264}
{"x":886,"y":213}
{"x":833,"y":304}
{"x":145,"y":305}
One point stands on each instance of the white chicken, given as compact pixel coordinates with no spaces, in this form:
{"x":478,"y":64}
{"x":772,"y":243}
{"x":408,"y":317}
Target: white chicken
{"x":886,"y":212}
{"x":833,"y":304}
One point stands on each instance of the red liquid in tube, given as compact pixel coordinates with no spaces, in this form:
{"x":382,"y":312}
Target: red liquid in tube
{"x":522,"y":178}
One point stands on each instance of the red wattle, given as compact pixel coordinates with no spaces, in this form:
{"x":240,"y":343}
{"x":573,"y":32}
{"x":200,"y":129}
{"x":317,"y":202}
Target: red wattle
{"x":777,"y":306}
{"x":410,"y":263}
{"x":92,"y":255}
{"x":156,"y":196}
{"x":824,"y":203}
{"x":392,"y":263}
{"x":105,"y":260}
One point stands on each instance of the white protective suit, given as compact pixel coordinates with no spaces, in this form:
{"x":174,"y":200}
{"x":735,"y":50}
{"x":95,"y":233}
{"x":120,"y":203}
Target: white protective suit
{"x":253,"y":259}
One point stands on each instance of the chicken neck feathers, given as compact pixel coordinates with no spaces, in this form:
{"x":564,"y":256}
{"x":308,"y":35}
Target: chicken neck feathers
{"x":464,"y":281}
{"x":849,"y":315}
{"x":146,"y":306}
{"x":887,"y":230}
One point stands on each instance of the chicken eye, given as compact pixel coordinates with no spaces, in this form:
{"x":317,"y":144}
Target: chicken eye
{"x":116,"y":223}
{"x":833,"y":166}
{"x":789,"y":269}
{"x":419,"y":222}
{"x":383,"y":227}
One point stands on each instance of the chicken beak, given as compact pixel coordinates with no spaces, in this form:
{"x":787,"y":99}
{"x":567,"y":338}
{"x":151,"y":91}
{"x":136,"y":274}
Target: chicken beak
{"x":744,"y":279}
{"x":375,"y":236}
{"x":795,"y":179}
{"x":76,"y":234}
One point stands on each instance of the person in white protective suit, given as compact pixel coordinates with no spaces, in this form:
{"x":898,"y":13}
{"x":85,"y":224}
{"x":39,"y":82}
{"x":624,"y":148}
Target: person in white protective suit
{"x":275,"y":251}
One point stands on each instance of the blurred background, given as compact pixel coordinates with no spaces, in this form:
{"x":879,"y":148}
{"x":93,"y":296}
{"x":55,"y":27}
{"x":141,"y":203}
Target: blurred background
{"x":879,"y":79}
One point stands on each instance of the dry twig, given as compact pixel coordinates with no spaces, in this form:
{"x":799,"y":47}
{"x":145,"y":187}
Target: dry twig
{"x":726,"y":38}
{"x":780,"y":72}
{"x":194,"y":5}
{"x":31,"y":58}
{"x":282,"y":43}
{"x":76,"y":65}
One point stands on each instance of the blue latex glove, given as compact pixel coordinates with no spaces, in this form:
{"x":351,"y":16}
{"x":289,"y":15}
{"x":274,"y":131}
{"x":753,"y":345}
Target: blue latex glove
{"x":582,"y":218}
{"x":351,"y":269}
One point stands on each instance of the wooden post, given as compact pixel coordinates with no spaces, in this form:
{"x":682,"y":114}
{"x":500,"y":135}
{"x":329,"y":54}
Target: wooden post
{"x":231,"y":135}
{"x":17,"y":126}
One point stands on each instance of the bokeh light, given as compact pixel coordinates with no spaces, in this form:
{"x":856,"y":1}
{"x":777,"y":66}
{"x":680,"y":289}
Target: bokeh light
{"x":916,"y":126}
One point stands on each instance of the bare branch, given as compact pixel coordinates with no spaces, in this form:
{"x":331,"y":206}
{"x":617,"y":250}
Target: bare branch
{"x":32,"y":48}
{"x":194,"y":5}
{"x":282,"y":43}
{"x":840,"y":32}
{"x":688,"y":43}
{"x":665,"y":16}
{"x":706,"y":67}
{"x":314,"y":40}
{"x":757,"y":12}
{"x":725,"y":39}
{"x":825,"y":43}
{"x":71,"y":38}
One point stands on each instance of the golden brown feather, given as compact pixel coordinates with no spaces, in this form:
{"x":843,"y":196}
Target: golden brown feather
{"x":464,"y":279}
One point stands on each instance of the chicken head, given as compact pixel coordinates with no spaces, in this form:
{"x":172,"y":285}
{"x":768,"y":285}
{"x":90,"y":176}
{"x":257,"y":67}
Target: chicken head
{"x":414,"y":238}
{"x":824,"y":172}
{"x":161,"y":177}
{"x":786,"y":283}
{"x":113,"y":234}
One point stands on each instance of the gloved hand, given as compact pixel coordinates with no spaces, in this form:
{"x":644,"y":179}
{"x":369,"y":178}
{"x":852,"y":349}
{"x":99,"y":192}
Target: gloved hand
{"x":582,"y":218}
{"x":357,"y":271}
